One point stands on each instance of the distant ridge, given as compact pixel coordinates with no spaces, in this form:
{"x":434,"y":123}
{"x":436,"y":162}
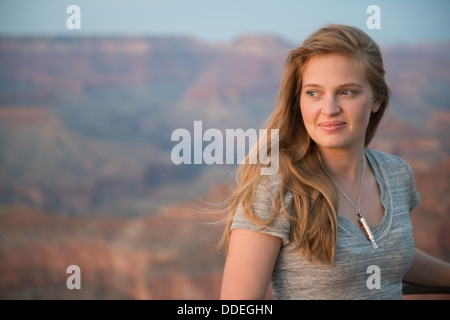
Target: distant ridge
{"x":97,"y":113}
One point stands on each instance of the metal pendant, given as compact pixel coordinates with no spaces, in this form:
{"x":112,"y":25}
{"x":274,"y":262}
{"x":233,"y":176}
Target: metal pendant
{"x":366,"y":229}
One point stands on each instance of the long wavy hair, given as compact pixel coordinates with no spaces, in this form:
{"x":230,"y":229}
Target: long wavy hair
{"x":314,"y":205}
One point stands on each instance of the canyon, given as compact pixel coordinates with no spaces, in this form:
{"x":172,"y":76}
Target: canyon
{"x":86,"y":176}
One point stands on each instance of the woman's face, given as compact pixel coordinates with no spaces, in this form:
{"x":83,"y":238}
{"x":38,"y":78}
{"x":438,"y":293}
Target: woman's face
{"x":336,"y":101}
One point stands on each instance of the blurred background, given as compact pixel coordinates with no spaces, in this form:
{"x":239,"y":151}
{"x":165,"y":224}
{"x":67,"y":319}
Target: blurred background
{"x":86,"y":117}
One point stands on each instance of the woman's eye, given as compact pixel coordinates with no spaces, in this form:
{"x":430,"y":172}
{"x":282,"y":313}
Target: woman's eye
{"x":347,"y":92}
{"x":312,"y":93}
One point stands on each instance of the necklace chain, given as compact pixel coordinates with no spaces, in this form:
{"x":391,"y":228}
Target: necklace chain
{"x":357,"y":207}
{"x":361,"y":219}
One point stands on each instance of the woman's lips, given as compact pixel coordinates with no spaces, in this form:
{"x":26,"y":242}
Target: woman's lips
{"x":332,"y":126}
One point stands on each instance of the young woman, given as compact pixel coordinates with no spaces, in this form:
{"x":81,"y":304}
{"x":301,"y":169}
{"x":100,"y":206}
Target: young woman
{"x":334,"y":222}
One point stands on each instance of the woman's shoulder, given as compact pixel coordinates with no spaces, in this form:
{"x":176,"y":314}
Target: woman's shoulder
{"x":392,"y":165}
{"x":273,"y":181}
{"x":268,"y":185}
{"x":269,"y":188}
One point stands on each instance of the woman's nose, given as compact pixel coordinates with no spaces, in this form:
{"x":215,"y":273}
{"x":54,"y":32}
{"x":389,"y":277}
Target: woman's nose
{"x":330,"y":106}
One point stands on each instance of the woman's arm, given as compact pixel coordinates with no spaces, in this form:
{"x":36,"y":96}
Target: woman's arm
{"x":427,"y":270}
{"x":248,"y":268}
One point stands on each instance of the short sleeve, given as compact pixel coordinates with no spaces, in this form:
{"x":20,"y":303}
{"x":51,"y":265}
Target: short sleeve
{"x":414,"y":197}
{"x":262,"y":207}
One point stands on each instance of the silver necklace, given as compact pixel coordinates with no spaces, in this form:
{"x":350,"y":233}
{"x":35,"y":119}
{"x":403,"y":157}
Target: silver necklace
{"x":361,"y":219}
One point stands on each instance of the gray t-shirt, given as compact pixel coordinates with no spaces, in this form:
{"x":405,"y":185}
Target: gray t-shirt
{"x":360,"y":271}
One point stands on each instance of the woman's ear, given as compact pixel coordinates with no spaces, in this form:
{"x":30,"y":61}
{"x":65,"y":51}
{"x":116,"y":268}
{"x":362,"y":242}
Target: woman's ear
{"x":376,"y":106}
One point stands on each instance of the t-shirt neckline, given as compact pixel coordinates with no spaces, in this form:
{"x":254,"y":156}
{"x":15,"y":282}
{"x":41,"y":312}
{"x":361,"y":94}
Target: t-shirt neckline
{"x":381,"y":228}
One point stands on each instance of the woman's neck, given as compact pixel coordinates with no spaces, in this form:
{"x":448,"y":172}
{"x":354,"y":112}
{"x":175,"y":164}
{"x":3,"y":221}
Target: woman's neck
{"x":344,"y":166}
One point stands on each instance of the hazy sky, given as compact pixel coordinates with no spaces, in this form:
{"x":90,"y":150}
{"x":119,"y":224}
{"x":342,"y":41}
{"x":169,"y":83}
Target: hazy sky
{"x":407,"y":21}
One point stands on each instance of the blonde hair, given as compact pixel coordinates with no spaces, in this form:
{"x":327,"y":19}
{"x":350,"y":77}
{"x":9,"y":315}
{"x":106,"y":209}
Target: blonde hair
{"x":301,"y":170}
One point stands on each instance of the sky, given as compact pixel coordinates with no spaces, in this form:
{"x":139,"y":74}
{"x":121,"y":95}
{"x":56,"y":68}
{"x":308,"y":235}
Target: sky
{"x":401,"y":21}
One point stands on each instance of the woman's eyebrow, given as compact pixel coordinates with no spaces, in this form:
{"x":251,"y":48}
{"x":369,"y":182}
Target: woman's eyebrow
{"x":311,"y":85}
{"x":349,"y":84}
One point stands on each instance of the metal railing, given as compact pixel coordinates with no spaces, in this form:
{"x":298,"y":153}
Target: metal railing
{"x":412,"y":288}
